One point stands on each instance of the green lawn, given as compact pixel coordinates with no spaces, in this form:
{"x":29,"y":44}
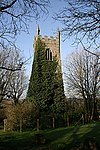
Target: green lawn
{"x":56,"y":139}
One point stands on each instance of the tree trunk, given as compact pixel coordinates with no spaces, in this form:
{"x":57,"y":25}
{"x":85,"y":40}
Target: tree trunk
{"x":94,"y":111}
{"x":68,"y":123}
{"x":38,"y":124}
{"x":21,"y":124}
{"x":5,"y":124}
{"x":53,"y":123}
{"x":83,"y":118}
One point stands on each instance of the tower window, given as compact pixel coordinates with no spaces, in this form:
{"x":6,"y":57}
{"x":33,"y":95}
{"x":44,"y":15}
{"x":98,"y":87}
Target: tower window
{"x":48,"y":54}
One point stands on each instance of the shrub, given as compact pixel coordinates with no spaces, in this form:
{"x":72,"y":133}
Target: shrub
{"x":19,"y":116}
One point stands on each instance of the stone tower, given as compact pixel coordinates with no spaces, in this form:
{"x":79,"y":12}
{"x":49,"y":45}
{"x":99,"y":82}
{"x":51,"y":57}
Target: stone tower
{"x":52,"y":45}
{"x":46,"y":83}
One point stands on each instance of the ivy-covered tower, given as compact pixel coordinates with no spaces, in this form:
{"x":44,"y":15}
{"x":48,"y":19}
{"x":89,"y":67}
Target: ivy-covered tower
{"x":46,"y":84}
{"x":52,"y":45}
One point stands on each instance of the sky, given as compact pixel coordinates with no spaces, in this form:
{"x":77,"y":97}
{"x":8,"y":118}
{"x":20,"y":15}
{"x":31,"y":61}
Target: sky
{"x":48,"y":26}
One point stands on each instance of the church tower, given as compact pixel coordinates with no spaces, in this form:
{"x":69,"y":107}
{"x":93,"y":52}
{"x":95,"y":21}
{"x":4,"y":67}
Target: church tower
{"x":46,"y":84}
{"x":52,"y":45}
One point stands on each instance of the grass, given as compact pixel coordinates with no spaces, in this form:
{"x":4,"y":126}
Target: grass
{"x":57,"y":139}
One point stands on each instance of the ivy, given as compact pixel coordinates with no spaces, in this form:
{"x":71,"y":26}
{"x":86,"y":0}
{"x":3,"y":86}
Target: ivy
{"x":46,"y":85}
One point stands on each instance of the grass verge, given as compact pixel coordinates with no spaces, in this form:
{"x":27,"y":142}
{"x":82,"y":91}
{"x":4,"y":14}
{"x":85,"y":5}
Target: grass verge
{"x":56,"y":139}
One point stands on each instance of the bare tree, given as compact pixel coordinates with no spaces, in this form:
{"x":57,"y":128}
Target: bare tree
{"x":83,"y":80}
{"x":12,"y":79}
{"x":15,"y":16}
{"x":17,"y":86}
{"x":81,"y":19}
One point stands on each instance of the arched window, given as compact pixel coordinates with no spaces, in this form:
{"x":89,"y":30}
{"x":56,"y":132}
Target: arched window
{"x":48,"y":54}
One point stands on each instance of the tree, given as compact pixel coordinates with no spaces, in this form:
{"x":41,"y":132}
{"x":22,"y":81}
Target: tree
{"x":59,"y":96}
{"x":41,"y":85}
{"x":46,"y":85}
{"x":12,"y":81}
{"x":17,"y":86}
{"x":15,"y":16}
{"x":19,"y":116}
{"x":41,"y":81}
{"x":81,"y":19}
{"x":74,"y":111}
{"x":82,"y":80}
{"x":57,"y":108}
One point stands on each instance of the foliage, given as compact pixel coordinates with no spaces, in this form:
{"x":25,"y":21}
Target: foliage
{"x":44,"y":83}
{"x":46,"y":89}
{"x":59,"y":96}
{"x":19,"y":116}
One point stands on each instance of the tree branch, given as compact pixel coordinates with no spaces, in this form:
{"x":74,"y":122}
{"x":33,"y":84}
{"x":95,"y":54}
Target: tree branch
{"x":10,"y":69}
{"x":7,"y":6}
